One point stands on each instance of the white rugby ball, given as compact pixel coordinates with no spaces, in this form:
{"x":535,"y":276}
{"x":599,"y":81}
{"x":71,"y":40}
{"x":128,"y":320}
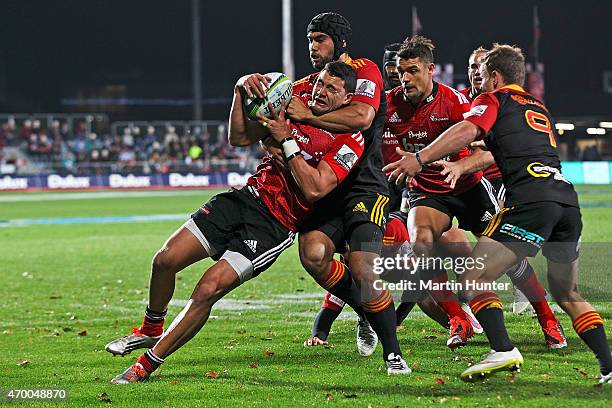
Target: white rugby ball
{"x":278,"y":94}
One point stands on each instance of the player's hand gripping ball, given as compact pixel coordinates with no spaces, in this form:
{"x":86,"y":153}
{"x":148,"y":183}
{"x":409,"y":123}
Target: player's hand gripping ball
{"x":277,"y":94}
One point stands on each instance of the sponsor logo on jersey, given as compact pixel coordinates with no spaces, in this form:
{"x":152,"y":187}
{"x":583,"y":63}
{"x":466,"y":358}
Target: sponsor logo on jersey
{"x":252,"y":244}
{"x":360,"y":207}
{"x":477,"y":110}
{"x":299,"y":137}
{"x":205,"y":210}
{"x":417,"y":135}
{"x":365,"y":87}
{"x":487,"y":216}
{"x":435,"y":118}
{"x":537,"y":169}
{"x":395,"y":118}
{"x":526,"y":101}
{"x":522,"y":234}
{"x":346,"y":157}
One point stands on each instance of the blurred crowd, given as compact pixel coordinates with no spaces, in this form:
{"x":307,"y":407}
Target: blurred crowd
{"x":142,"y":149}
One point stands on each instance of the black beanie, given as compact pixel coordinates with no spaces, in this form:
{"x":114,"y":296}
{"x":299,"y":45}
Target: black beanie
{"x":334,"y":25}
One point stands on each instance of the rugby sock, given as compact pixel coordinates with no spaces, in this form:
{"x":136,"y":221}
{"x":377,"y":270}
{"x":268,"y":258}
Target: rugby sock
{"x":402,"y":311}
{"x":323,"y":322}
{"x":446,"y":298}
{"x":488,"y":309}
{"x":381,"y":316}
{"x":527,"y":282}
{"x":153,"y":323}
{"x":338,"y":281}
{"x":590,"y":328}
{"x":149,"y":361}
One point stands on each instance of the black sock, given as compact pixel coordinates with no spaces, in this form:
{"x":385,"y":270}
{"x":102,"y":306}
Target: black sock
{"x":595,"y":338}
{"x":381,"y":315}
{"x":492,"y":321}
{"x":403,"y":310}
{"x":323,"y":322}
{"x":154,"y":316}
{"x":590,"y":328}
{"x":488,"y":309}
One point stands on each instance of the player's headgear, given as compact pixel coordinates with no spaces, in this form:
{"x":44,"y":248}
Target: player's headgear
{"x":390,"y":53}
{"x":334,"y":25}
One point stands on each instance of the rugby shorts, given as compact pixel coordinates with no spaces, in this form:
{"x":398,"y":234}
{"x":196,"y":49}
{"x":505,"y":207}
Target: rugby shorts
{"x":338,"y":223}
{"x":237,"y":226}
{"x":500,"y":189}
{"x":526,"y":228}
{"x":473,"y":208}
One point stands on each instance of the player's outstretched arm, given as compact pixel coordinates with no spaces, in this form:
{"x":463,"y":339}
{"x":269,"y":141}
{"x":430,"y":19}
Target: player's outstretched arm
{"x":478,"y":160}
{"x":450,"y":141}
{"x":242,"y":131}
{"x":356,"y":116}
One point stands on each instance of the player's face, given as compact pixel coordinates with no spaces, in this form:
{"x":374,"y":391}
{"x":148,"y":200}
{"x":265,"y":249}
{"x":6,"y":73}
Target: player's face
{"x":416,"y":78}
{"x":328,"y":94}
{"x":488,"y":80}
{"x":392,"y":76}
{"x":321,"y":48}
{"x":474,"y":70}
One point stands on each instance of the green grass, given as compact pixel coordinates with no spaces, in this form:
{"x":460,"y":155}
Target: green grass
{"x":69,"y":289}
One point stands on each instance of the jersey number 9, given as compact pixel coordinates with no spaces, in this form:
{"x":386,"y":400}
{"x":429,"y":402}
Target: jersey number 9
{"x":539,"y":122}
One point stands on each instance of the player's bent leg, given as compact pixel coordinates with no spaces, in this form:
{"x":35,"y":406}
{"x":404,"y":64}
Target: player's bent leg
{"x":219,"y":280}
{"x":525,"y":280}
{"x":495,"y":259}
{"x":588,"y":324}
{"x":425,"y":226}
{"x":454,"y":243}
{"x":316,"y":253}
{"x":429,"y":306}
{"x":182,"y":249}
{"x":317,"y":257}
{"x":365,"y":243}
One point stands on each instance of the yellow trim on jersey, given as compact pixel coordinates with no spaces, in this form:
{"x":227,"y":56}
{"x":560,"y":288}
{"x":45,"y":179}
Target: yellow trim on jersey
{"x":514,"y":87}
{"x":494,"y":223}
{"x":377,"y":213}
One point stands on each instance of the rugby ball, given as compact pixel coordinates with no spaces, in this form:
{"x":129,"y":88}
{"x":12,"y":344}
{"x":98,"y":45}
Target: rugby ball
{"x":278,"y":94}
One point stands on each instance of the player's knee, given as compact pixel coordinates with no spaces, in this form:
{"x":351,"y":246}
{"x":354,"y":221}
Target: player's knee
{"x":314,"y":258}
{"x":206,"y":294}
{"x":163,"y":262}
{"x":422,"y":239}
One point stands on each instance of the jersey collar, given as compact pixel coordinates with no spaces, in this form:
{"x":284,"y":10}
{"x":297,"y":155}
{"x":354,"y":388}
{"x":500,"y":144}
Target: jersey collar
{"x":432,"y":96}
{"x":513,"y":87}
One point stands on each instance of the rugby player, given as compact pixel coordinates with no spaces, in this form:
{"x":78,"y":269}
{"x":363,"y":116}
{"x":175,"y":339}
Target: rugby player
{"x":524,"y":278}
{"x":418,"y":112}
{"x":541,"y":208}
{"x":246,"y":229}
{"x":356,"y":212}
{"x":395,"y":239}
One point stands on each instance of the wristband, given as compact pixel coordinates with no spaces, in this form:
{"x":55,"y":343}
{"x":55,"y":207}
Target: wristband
{"x":294,"y":155}
{"x":418,"y":157}
{"x":290,"y":147}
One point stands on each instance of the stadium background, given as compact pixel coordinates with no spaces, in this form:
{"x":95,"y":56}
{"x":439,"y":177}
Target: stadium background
{"x":123,"y":71}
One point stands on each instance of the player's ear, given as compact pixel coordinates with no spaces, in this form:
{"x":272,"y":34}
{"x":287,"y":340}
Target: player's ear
{"x":431,"y":68}
{"x":347,"y":98}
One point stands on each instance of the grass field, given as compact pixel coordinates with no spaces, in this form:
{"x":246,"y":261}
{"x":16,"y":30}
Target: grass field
{"x":69,"y":288}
